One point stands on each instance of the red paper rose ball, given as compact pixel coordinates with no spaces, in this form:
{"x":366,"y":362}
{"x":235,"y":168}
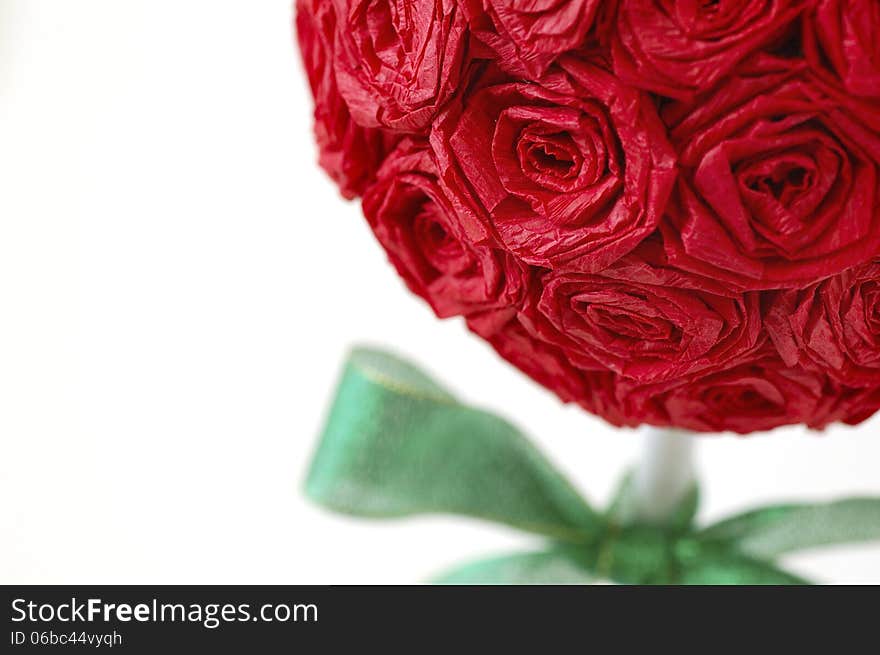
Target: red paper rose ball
{"x":666,"y":211}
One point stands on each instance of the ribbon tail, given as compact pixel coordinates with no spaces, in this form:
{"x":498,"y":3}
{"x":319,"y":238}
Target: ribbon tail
{"x":397,"y":444}
{"x":729,"y":567}
{"x":560,"y":564}
{"x":768,"y":532}
{"x":737,"y":570}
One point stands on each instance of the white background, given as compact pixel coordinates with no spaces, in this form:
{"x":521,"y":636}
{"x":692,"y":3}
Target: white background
{"x":178,"y":285}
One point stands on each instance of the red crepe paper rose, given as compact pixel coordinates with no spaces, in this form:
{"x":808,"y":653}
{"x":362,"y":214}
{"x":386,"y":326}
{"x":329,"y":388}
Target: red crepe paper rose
{"x":526,"y":36}
{"x":398,"y":61}
{"x":569,"y":169}
{"x":842,"y":36}
{"x":349,"y":152}
{"x":644,"y":320}
{"x":833,"y":325}
{"x":666,"y":211}
{"x":679,"y":47}
{"x":780,"y":179}
{"x":454,"y":267}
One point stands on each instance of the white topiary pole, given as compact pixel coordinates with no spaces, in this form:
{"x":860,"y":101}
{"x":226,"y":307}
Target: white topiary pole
{"x":664,"y":473}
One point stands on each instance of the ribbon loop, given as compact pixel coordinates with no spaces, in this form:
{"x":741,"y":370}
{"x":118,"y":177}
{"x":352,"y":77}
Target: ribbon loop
{"x":397,"y":444}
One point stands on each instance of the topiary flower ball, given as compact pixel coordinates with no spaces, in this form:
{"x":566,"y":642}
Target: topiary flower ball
{"x":666,"y":211}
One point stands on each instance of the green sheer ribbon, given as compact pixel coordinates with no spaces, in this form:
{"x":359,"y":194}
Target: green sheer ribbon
{"x":398,"y":444}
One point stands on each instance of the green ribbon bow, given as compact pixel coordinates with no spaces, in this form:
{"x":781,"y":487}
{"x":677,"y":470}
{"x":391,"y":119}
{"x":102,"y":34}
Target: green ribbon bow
{"x":397,"y":444}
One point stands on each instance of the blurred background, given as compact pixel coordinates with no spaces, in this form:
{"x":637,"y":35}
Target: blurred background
{"x":179,"y":284}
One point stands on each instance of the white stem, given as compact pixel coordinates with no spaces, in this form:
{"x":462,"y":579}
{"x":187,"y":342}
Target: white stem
{"x":665,"y":473}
